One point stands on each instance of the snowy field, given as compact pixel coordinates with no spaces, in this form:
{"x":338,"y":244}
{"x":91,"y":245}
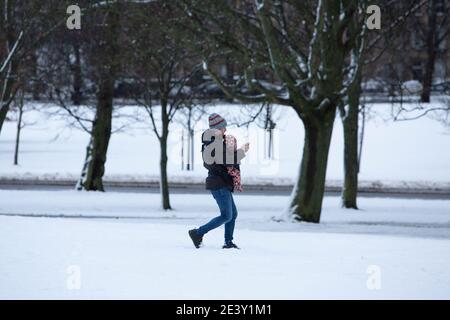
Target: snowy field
{"x":73,"y":245}
{"x":409,"y":153}
{"x":117,"y":245}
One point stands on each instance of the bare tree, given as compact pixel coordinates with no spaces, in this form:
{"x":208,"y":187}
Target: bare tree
{"x":26,"y":25}
{"x":163,"y":68}
{"x":104,"y":57}
{"x":397,"y":13}
{"x":433,"y":32}
{"x":11,"y":42}
{"x":20,"y":126}
{"x":311,"y":58}
{"x":189,"y":116}
{"x":70,"y":61}
{"x":265,"y":118}
{"x":413,"y":111}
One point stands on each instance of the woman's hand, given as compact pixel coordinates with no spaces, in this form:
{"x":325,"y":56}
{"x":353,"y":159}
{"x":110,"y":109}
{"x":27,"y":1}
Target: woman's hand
{"x":246,"y":147}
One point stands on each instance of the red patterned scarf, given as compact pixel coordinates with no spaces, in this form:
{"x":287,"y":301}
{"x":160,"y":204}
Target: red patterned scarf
{"x":235,"y":173}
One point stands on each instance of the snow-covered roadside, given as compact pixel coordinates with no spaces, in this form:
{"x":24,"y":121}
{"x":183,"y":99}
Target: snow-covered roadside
{"x":390,"y":249}
{"x":403,"y":217}
{"x":386,"y":186}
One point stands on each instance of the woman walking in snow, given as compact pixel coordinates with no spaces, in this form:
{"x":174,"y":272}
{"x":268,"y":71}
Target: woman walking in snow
{"x":221,"y":158}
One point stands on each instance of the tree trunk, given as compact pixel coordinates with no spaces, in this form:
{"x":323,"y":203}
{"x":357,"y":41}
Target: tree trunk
{"x":4,"y":108}
{"x":191,"y":137}
{"x":431,"y":53}
{"x":101,"y":133}
{"x":34,"y":86}
{"x":164,"y":184}
{"x":307,"y":196}
{"x":361,"y":135}
{"x":182,"y":150}
{"x":190,"y":142}
{"x":77,"y":96}
{"x":82,"y":181}
{"x":188,"y":164}
{"x":19,"y":129}
{"x":7,"y":93}
{"x":351,"y":165}
{"x":107,"y":67}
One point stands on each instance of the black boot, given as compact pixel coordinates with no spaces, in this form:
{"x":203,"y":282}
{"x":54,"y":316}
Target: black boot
{"x":196,"y":239}
{"x":230,"y":245}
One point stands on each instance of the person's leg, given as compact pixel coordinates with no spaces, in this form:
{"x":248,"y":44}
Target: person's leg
{"x":225,"y":202}
{"x":229,"y":226}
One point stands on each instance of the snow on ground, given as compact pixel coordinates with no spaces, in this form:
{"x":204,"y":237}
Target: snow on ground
{"x":122,"y":246}
{"x":410,"y":153}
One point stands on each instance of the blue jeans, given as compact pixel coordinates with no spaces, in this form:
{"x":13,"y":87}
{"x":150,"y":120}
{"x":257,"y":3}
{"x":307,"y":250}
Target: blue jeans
{"x":228,"y":214}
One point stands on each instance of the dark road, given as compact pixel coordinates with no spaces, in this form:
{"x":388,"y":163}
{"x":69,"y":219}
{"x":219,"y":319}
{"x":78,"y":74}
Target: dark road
{"x":179,"y":188}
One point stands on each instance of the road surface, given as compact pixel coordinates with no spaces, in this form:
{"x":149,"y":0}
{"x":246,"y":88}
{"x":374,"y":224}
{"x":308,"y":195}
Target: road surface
{"x":181,"y":188}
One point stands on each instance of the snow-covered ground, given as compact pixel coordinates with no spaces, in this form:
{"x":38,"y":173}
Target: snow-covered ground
{"x":122,"y":246}
{"x":67,"y":244}
{"x":400,"y":154}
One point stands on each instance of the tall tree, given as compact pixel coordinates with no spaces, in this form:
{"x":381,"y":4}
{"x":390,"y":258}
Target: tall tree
{"x":161,"y":64}
{"x":397,"y":13}
{"x":105,"y":60}
{"x":350,"y":119}
{"x":25,"y":26}
{"x":305,"y":48}
{"x":20,"y":126}
{"x":9,"y":64}
{"x":434,"y":31}
{"x":188,"y":118}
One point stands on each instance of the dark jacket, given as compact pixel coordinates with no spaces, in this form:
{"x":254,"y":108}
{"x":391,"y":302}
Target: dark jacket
{"x":218,"y":176}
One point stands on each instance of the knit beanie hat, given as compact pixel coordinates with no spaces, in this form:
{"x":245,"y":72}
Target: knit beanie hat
{"x":216,"y":121}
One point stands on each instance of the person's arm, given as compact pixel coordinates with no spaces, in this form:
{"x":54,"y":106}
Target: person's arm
{"x":241,"y":152}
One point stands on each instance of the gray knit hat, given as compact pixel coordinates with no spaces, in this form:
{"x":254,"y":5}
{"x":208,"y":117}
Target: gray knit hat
{"x":216,"y":121}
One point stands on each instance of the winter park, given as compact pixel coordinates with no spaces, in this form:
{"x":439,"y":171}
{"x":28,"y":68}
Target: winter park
{"x":225,"y":150}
